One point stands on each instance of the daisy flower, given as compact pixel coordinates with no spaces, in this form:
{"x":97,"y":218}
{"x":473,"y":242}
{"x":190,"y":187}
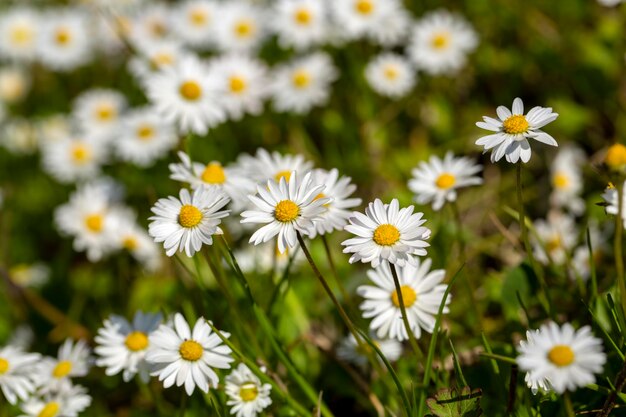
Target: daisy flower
{"x":152,"y":23}
{"x":360,"y":17}
{"x":73,"y":360}
{"x":243,"y":81}
{"x":285,"y":209}
{"x":19,"y":31}
{"x":265,"y":258}
{"x":236,"y":185}
{"x":188,"y":357}
{"x":240,"y":27}
{"x":65,"y":40}
{"x":144,"y":137}
{"x":153,"y":57}
{"x":560,"y":358}
{"x":438,"y":179}
{"x":186,"y":95}
{"x":567,"y":181}
{"x":247,"y":395}
{"x":73,"y":158}
{"x":386,"y":232}
{"x":555,"y":238}
{"x":350,"y":351}
{"x":392,"y":28}
{"x":122,"y":346}
{"x":513,"y":129}
{"x":194,"y":22}
{"x":97,"y":112}
{"x":609,"y":3}
{"x":17,"y":373}
{"x":19,"y":136}
{"x":135,"y":239}
{"x":303,"y":83}
{"x":265,"y":165}
{"x":338,"y":190}
{"x":14,"y":84}
{"x":390,"y":75}
{"x":300,"y":24}
{"x":66,"y":401}
{"x":33,"y":275}
{"x":582,"y":261}
{"x":188,"y":222}
{"x":422,"y":293}
{"x":610,"y":198}
{"x":440,"y":43}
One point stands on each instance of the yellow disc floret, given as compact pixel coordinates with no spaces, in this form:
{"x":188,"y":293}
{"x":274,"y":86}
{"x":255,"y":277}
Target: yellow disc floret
{"x":391,"y":72}
{"x":364,"y":7}
{"x":22,"y":35}
{"x":62,"y":36}
{"x":62,"y":369}
{"x":198,"y":17}
{"x":237,"y":84}
{"x":244,"y":28}
{"x":105,"y":112}
{"x":190,"y":350}
{"x":145,"y":132}
{"x":80,"y":153}
{"x":190,"y":90}
{"x":130,"y":243}
{"x":189,"y":216}
{"x":516,"y":124}
{"x":301,"y":79}
{"x":616,"y":156}
{"x":248,"y":391}
{"x":561,"y":355}
{"x":49,"y":410}
{"x":214,"y":173}
{"x":4,"y":366}
{"x":136,"y":341}
{"x":302,"y":17}
{"x":94,"y":222}
{"x":386,"y":235}
{"x":441,"y":40}
{"x":286,"y":211}
{"x":445,"y":181}
{"x":408,"y":296}
{"x":560,"y":180}
{"x":282,"y":174}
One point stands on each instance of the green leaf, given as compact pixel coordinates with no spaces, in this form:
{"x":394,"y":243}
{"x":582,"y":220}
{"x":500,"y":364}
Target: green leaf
{"x":456,"y":403}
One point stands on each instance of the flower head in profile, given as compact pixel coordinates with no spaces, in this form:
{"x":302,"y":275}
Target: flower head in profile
{"x":566,"y":179}
{"x":555,"y":238}
{"x":247,"y":395}
{"x":513,"y":129}
{"x":350,"y":351}
{"x":386,"y":232}
{"x":560,"y":358}
{"x":438,"y":180}
{"x":610,"y":197}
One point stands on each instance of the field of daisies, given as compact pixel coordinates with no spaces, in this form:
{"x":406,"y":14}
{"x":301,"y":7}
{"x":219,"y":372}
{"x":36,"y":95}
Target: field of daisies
{"x":312,"y":208}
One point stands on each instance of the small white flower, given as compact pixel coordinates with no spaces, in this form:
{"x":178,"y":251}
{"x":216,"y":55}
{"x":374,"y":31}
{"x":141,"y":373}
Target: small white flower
{"x":300,"y":23}
{"x":609,"y":3}
{"x":188,"y":222}
{"x":438,"y":179}
{"x":73,"y":360}
{"x":135,"y":239}
{"x":73,"y":158}
{"x":152,"y":23}
{"x":19,"y":31}
{"x":32,"y":276}
{"x":390,"y":75}
{"x":285,"y":208}
{"x":513,"y":129}
{"x":350,"y":351}
{"x":610,"y":198}
{"x":265,"y":258}
{"x":66,"y":400}
{"x":14,"y":84}
{"x":153,"y":57}
{"x":560,"y":358}
{"x":17,"y":373}
{"x":122,"y":346}
{"x":567,"y":181}
{"x":240,"y":26}
{"x":386,"y":232}
{"x":440,"y":43}
{"x":265,"y":165}
{"x":188,"y":357}
{"x":97,"y":112}
{"x":247,"y":395}
{"x":422,"y":293}
{"x":194,"y":22}
{"x":359,"y":18}
{"x":65,"y":41}
{"x":186,"y":95}
{"x":557,"y":237}
{"x":303,"y":83}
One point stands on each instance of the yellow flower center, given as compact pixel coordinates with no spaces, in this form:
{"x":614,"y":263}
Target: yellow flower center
{"x":386,"y":235}
{"x":445,"y":181}
{"x":302,"y":17}
{"x":301,"y":79}
{"x":560,"y":180}
{"x":49,"y":410}
{"x":158,"y":28}
{"x":408,"y":296}
{"x":145,"y":132}
{"x":364,"y":7}
{"x":62,"y":36}
{"x":105,"y":112}
{"x":440,"y":40}
{"x":248,"y":391}
{"x":616,"y":156}
{"x":161,"y":58}
{"x":136,"y":341}
{"x":286,"y":211}
{"x":190,"y":90}
{"x":189,"y":216}
{"x":561,"y":355}
{"x":4,"y":366}
{"x":391,"y":72}
{"x":62,"y":369}
{"x":244,"y":28}
{"x":237,"y":84}
{"x":130,"y":243}
{"x":214,"y":173}
{"x":80,"y":153}
{"x":198,"y":17}
{"x":553,"y":244}
{"x":321,"y":195}
{"x":94,"y":222}
{"x":22,"y":35}
{"x":190,"y":350}
{"x":282,"y":174}
{"x":516,"y":124}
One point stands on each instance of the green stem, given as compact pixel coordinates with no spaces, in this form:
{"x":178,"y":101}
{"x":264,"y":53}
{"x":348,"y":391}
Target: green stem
{"x":183,"y":404}
{"x":569,"y":407}
{"x":617,"y":246}
{"x":331,"y":263}
{"x":405,"y":317}
{"x":500,"y":358}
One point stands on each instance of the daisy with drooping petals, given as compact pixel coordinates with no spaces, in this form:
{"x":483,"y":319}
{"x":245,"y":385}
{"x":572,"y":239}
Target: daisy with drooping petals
{"x":303,"y":83}
{"x":240,"y":27}
{"x":438,"y":179}
{"x":300,"y":23}
{"x":247,"y":395}
{"x":513,"y":129}
{"x":441,"y":42}
{"x":122,"y":346}
{"x":555,"y":238}
{"x":338,"y":190}
{"x":194,"y":22}
{"x":560,"y":358}
{"x":17,"y":373}
{"x":66,"y":400}
{"x":386,"y":232}
{"x":188,"y":357}
{"x":73,"y":360}
{"x":350,"y":351}
{"x":567,"y":181}
{"x":390,"y":75}
{"x":285,"y":209}
{"x":186,"y":95}
{"x":422,"y":293}
{"x":264,"y":165}
{"x":73,"y":158}
{"x":143,"y":137}
{"x":19,"y":30}
{"x":65,"y":41}
{"x":98,"y":112}
{"x":185,"y":224}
